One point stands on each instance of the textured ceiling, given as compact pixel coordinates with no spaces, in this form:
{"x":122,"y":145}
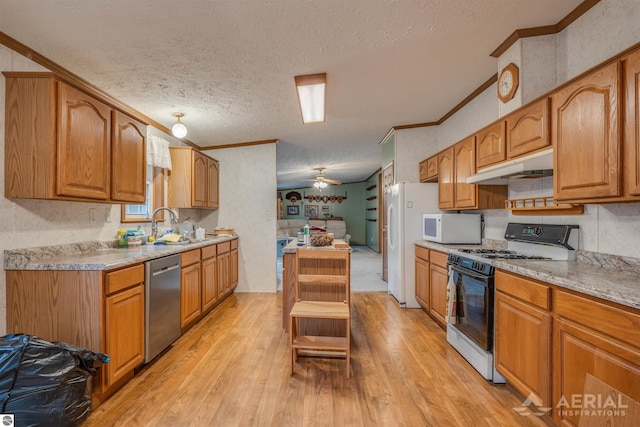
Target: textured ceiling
{"x":229,"y":65}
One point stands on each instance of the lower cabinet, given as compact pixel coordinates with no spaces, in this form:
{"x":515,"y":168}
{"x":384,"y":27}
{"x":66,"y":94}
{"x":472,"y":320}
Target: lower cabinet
{"x":431,"y":283}
{"x":563,"y":349}
{"x":190,"y":299}
{"x":523,"y":335}
{"x":209,"y":278}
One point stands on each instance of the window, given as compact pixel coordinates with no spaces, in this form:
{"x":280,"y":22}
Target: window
{"x":154,"y":199}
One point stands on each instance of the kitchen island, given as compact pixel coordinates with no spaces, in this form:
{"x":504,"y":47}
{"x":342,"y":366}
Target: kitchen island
{"x":322,"y":327}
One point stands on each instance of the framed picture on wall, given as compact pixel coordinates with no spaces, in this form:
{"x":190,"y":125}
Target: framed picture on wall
{"x":293,"y":210}
{"x":325,"y":209}
{"x":311,"y":211}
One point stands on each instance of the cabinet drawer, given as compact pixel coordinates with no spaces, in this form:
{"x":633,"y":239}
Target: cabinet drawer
{"x":122,"y":279}
{"x":224,"y":247}
{"x":190,"y":257}
{"x":527,"y":290}
{"x":422,"y":253}
{"x":234,"y":244}
{"x":208,"y":252}
{"x":600,"y":316}
{"x":439,"y":258}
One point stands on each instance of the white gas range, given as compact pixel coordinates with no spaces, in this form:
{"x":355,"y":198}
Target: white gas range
{"x":471,"y":289}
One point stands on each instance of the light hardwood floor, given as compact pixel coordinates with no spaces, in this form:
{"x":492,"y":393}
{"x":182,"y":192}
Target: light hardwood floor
{"x":232,"y":369}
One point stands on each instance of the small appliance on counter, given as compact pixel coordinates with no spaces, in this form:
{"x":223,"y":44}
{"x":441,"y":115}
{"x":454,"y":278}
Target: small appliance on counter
{"x":452,"y":228}
{"x":471,"y":286}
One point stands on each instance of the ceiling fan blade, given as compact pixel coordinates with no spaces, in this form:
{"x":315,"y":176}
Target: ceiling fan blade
{"x":333,"y":181}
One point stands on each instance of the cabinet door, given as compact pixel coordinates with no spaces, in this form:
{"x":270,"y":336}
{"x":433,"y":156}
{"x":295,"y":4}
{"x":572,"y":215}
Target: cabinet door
{"x":465,"y":166}
{"x":223,"y":274}
{"x":213,"y":183}
{"x":585,"y":131}
{"x":233,"y":269}
{"x":124,"y":333}
{"x":84,"y":141}
{"x":423,"y":173}
{"x":579,"y":352}
{"x":528,"y":129}
{"x":128,"y":159}
{"x":446,"y":185}
{"x":199,"y":180}
{"x":209,"y":283}
{"x":422,"y":282}
{"x":491,"y":145}
{"x":632,"y":123}
{"x":523,"y":347}
{"x":438,"y":293}
{"x":189,"y":294}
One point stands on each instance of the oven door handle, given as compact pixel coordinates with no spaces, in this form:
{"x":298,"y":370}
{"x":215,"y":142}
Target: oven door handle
{"x":471,"y":273}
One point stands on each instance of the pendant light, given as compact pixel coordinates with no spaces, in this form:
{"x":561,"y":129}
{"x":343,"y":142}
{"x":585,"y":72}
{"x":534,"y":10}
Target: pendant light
{"x":179,"y":130}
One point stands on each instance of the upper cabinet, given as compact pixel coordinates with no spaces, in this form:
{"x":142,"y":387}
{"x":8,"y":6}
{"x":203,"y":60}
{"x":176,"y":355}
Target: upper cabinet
{"x":585,"y":124}
{"x":455,"y":165}
{"x":63,"y":144}
{"x":631,"y":141}
{"x":491,"y":146}
{"x":429,"y":169}
{"x":193,"y":179}
{"x":527,"y":129}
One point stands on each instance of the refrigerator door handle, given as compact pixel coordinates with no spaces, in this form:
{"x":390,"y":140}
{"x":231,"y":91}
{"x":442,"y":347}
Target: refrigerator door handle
{"x":390,"y":220}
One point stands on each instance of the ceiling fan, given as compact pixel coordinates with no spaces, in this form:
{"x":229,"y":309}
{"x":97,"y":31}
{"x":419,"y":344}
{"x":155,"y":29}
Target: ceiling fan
{"x":321,"y":181}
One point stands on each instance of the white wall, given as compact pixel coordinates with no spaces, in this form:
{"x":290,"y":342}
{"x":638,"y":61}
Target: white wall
{"x":248,"y":204}
{"x":412,"y":144}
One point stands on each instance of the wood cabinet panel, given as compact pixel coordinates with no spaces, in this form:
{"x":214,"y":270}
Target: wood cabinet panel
{"x":199,"y":180}
{"x":586,"y":136}
{"x":233,"y":269}
{"x":422,"y":282}
{"x":208,"y":252}
{"x":190,"y":295}
{"x":422,"y":253}
{"x":213,"y":183}
{"x":528,"y":290}
{"x":224,"y":285}
{"x":189,"y":257}
{"x":122,"y":279}
{"x":124,"y":333}
{"x":193,"y":180}
{"x":523,"y":346}
{"x":438,"y":293}
{"x":84,"y":141}
{"x":631,"y":66}
{"x":446,"y":179}
{"x":491,"y":145}
{"x":579,"y":352}
{"x":209,"y":283}
{"x":465,"y":166}
{"x":429,"y":169}
{"x":527,"y":130}
{"x":128,"y":159}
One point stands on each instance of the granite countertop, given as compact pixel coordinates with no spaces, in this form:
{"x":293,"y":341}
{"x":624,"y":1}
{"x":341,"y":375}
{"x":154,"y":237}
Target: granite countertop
{"x":95,"y":255}
{"x":610,"y":278}
{"x":293,"y":245}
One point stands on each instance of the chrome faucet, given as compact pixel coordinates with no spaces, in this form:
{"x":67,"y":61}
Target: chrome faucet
{"x":154,"y":224}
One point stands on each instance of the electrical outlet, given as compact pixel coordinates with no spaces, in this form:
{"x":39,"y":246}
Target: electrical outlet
{"x":92,"y":215}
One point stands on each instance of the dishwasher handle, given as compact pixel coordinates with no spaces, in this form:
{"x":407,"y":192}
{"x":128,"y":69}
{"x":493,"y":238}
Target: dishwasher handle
{"x":165,"y":269}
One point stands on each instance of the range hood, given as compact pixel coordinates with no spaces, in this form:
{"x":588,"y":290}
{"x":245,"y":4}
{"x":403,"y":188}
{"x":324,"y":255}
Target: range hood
{"x":536,"y":165}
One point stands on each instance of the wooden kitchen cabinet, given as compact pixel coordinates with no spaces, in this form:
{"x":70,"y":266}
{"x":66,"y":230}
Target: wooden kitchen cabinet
{"x":64,"y":144}
{"x":209,"y":278}
{"x":491,"y":145}
{"x":190,"y":298}
{"x":102,"y":311}
{"x":594,"y":338}
{"x":455,"y":165}
{"x":233,"y":265}
{"x":631,"y":141}
{"x":193,"y":179}
{"x":224,"y":269}
{"x":422,"y":277}
{"x":586,"y":136}
{"x":527,"y":129}
{"x":523,"y":335}
{"x":429,"y":169}
{"x":124,"y":311}
{"x":438,"y":287}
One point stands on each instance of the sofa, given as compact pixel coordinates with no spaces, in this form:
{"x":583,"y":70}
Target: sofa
{"x":292,"y":226}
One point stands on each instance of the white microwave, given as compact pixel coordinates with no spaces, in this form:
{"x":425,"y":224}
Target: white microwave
{"x":452,"y":228}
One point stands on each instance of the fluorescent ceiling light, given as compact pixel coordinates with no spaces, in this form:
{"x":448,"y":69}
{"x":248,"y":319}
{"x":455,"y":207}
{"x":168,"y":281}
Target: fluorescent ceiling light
{"x":311,"y":96}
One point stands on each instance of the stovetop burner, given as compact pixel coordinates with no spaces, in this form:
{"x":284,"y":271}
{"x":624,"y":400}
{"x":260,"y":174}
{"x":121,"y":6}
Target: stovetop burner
{"x":499,"y":254}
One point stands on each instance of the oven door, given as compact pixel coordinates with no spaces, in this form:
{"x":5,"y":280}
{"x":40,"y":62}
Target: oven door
{"x":474,"y":305}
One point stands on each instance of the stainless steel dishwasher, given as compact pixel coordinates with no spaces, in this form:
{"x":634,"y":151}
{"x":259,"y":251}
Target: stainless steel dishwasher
{"x":162,"y":304}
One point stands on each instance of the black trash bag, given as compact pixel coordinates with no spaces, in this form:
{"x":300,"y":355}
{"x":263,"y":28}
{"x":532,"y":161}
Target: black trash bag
{"x":44,"y":383}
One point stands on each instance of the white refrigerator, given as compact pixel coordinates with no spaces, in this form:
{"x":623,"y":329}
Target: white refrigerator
{"x":406,"y":202}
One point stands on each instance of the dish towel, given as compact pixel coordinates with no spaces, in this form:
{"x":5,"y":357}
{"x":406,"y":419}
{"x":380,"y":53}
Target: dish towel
{"x":450,"y":318}
{"x":158,"y":152}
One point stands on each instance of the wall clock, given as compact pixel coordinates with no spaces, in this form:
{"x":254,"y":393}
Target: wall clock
{"x":508,"y":82}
